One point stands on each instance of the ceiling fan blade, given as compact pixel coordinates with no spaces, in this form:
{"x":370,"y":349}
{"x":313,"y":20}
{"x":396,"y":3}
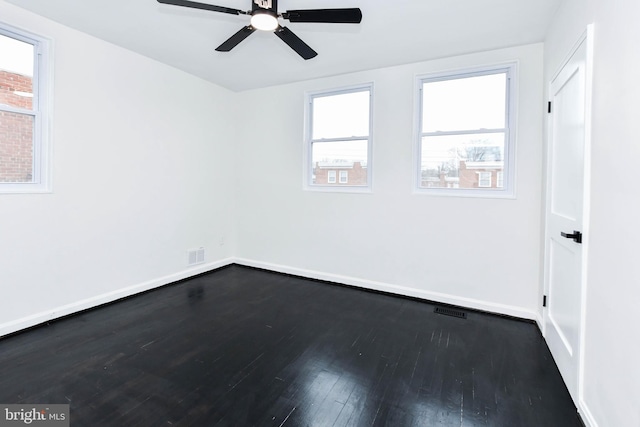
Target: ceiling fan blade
{"x":235,"y":39}
{"x":340,"y":16}
{"x":203,"y":6}
{"x":294,"y":42}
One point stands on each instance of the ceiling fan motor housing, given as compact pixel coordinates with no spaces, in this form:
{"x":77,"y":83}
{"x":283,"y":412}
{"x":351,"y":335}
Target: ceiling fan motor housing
{"x":271,"y":5}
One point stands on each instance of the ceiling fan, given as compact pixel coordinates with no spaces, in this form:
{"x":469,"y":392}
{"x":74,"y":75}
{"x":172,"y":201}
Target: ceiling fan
{"x":264,"y":17}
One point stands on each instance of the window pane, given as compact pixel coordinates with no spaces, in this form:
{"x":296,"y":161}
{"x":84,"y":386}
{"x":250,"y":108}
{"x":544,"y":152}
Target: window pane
{"x":464,"y":104}
{"x":16,"y":147}
{"x":16,"y":73}
{"x":341,"y":116}
{"x":343,"y":156}
{"x":462,"y":161}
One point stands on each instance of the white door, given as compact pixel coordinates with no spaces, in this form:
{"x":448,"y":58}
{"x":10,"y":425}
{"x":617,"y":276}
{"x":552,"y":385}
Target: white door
{"x":564,"y":261}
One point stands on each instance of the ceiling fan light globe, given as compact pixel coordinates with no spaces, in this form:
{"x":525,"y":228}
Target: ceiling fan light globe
{"x":264,"y":21}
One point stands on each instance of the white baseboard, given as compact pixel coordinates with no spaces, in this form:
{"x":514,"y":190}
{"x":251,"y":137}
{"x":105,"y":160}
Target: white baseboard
{"x":395,"y":289}
{"x":46,"y":316}
{"x":586,"y":415}
{"x":540,"y":321}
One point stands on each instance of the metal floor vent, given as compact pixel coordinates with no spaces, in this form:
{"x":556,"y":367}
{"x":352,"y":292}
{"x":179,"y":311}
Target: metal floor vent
{"x":450,"y":312}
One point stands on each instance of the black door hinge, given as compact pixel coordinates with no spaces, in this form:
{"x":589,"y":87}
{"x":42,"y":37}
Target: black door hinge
{"x":544,"y":301}
{"x":549,"y":107}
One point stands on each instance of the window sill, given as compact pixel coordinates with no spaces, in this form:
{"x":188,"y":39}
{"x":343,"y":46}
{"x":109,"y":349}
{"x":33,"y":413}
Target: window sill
{"x":476,"y":194}
{"x":25,"y":189}
{"x":338,"y":189}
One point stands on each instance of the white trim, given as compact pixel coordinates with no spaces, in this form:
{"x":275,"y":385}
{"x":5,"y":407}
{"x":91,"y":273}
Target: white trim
{"x":482,"y":193}
{"x":345,"y":139}
{"x":464,"y":132}
{"x":307,"y":166}
{"x":78,"y":306}
{"x":586,"y":38}
{"x":42,"y":83}
{"x":472,"y":303}
{"x":356,"y":189}
{"x":586,"y":415}
{"x":586,"y":220}
{"x":540,"y":322}
{"x":93,"y":302}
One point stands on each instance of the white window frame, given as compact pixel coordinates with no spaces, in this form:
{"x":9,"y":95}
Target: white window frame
{"x":308,"y":183}
{"x":509,"y":189}
{"x":42,"y":85}
{"x":331,"y":177}
{"x":344,"y":177}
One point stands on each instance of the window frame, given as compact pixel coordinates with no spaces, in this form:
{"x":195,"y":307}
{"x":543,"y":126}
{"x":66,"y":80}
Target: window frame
{"x":343,"y":177}
{"x":309,"y":141}
{"x":509,"y":170}
{"x":41,"y":107}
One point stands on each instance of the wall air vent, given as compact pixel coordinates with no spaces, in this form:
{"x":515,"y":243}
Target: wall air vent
{"x":450,"y":312}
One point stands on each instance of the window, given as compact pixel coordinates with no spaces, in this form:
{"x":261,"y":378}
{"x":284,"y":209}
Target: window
{"x":466,"y":132}
{"x":484,"y":179}
{"x":24,"y":148}
{"x":339,"y":139}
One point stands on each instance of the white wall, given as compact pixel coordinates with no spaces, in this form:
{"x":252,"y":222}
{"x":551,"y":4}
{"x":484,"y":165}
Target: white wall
{"x":142,"y":159}
{"x":612,"y":342}
{"x":144,"y":169}
{"x":481,"y":253}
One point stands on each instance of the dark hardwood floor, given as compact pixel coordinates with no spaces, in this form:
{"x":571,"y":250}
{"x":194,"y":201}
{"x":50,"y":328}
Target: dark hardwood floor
{"x":244,"y":347}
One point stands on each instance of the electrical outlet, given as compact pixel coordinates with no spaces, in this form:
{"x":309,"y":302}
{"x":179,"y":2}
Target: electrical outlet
{"x":195,"y":256}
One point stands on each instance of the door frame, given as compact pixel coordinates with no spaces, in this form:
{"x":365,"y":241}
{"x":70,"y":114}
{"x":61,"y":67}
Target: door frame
{"x":587,"y":38}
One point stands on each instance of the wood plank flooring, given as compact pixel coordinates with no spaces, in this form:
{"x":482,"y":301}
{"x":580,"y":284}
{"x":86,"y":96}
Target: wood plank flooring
{"x":244,"y":347}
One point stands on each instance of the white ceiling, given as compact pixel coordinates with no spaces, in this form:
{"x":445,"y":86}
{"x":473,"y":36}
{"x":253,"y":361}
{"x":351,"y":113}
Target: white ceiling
{"x":392,"y":32}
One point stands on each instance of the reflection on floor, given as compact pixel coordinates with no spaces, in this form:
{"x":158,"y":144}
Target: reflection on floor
{"x":243,"y":347}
